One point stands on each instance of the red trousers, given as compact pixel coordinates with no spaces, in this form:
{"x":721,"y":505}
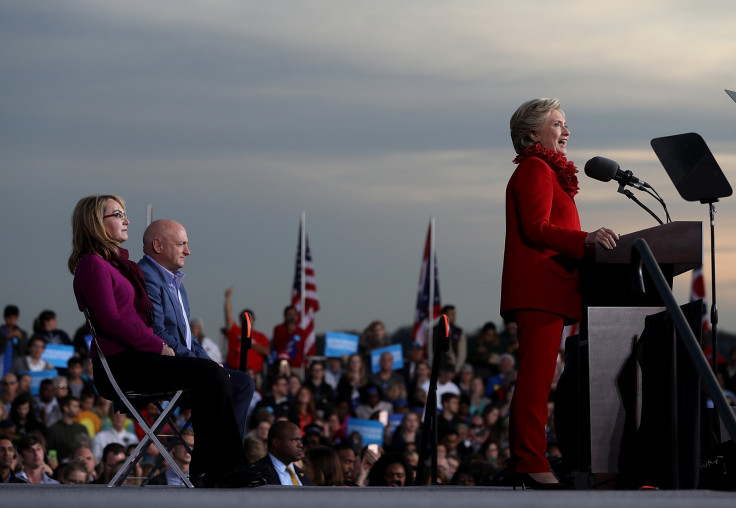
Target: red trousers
{"x":539,"y":336}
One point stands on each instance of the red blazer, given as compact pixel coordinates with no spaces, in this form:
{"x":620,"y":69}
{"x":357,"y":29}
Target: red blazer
{"x":543,"y":241}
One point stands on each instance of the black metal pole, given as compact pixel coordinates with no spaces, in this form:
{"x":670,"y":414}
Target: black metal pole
{"x":245,"y":341}
{"x":429,"y":429}
{"x":641,"y":254}
{"x":714,"y":305}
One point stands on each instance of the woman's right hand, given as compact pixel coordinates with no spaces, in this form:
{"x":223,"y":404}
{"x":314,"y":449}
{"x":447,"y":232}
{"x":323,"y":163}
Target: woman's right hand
{"x":606,"y":237}
{"x":167,"y":351}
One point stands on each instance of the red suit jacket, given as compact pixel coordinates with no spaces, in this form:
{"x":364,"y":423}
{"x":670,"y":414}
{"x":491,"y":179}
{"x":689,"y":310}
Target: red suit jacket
{"x":543,"y":242}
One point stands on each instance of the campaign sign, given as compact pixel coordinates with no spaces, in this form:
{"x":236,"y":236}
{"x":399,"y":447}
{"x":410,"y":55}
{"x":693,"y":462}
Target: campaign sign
{"x":338,"y":344}
{"x":371,"y":430}
{"x":394,"y":349}
{"x":394,"y":420}
{"x":37,"y":377}
{"x":58,"y":354}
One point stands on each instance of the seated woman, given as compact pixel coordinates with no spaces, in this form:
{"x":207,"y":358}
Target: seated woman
{"x":111,"y":286}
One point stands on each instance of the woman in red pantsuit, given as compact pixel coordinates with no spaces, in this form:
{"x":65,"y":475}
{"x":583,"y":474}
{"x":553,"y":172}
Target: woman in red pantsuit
{"x":540,"y":280}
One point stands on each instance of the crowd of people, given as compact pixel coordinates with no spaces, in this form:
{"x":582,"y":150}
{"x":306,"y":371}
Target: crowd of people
{"x":69,"y":433}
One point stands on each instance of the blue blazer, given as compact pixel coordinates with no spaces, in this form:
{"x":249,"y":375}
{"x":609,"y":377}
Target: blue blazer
{"x":169,"y":324}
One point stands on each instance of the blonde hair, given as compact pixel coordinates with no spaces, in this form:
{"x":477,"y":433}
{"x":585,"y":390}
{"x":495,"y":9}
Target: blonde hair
{"x":89,"y":235}
{"x":528,"y":118}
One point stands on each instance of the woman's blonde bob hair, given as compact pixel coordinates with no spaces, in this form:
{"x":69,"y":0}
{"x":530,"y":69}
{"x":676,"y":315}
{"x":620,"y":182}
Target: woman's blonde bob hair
{"x":528,"y":119}
{"x":89,"y":235}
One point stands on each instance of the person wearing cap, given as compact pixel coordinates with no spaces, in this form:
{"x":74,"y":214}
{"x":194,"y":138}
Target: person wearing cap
{"x":372,"y":403}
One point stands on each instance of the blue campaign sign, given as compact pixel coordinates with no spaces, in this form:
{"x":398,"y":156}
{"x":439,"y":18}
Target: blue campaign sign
{"x":394,"y":349}
{"x":338,"y":344}
{"x":371,"y":430}
{"x":394,"y":421}
{"x":58,"y":354}
{"x":37,"y":377}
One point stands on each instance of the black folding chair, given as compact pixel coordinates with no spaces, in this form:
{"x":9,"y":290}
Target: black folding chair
{"x":133,"y":400}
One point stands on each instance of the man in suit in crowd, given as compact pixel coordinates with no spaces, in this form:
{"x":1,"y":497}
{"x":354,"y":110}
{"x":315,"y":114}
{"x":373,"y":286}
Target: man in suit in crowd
{"x":284,"y":448}
{"x":165,"y":248}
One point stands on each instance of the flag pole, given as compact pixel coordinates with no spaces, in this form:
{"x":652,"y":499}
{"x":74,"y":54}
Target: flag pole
{"x":303,"y":262}
{"x":430,"y":314}
{"x":149,"y":214}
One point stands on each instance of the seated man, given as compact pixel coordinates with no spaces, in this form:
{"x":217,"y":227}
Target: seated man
{"x":284,"y":448}
{"x":7,"y":461}
{"x":165,"y":247}
{"x":115,"y":434}
{"x":32,"y":455}
{"x":111,"y":455}
{"x":66,"y":434}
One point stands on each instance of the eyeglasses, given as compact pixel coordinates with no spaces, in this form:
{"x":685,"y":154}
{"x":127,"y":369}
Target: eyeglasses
{"x":117,"y":214}
{"x":9,"y":383}
{"x":62,"y":387}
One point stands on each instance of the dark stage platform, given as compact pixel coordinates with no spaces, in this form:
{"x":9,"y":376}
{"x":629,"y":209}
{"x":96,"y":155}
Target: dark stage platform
{"x":73,"y":496}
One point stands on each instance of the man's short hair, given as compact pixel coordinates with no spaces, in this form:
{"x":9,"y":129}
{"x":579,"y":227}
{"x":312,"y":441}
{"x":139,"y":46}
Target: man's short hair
{"x":447,"y":308}
{"x":490,"y":325}
{"x":446,"y":397}
{"x":66,"y":401}
{"x":11,"y":310}
{"x":46,"y":315}
{"x":28,"y":441}
{"x":74,"y":360}
{"x":279,"y":429}
{"x":288,"y":308}
{"x":36,"y":338}
{"x":114,"y":448}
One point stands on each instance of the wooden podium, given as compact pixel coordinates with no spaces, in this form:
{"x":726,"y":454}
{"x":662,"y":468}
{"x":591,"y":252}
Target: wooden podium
{"x":600,"y":360}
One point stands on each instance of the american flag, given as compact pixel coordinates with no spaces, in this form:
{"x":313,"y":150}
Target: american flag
{"x":421,"y":314}
{"x":310,"y":298}
{"x":697,"y":292}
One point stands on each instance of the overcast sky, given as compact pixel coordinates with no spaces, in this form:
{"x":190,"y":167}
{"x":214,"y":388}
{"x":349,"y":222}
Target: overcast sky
{"x":372,"y":116}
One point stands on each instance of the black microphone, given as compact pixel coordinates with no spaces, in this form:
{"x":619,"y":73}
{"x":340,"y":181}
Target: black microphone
{"x":604,"y":170}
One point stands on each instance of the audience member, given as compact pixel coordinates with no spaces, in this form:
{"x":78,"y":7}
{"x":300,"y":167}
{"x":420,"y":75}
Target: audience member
{"x":75,"y":473}
{"x":304,"y":411}
{"x":323,"y":467}
{"x":278,"y":400}
{"x":209,"y":345}
{"x":373,"y":337}
{"x":390,"y":470}
{"x":111,"y":455}
{"x":351,"y":382}
{"x":182,"y":456}
{"x":333,"y":372}
{"x":288,"y":339}
{"x":386,"y":374}
{"x":66,"y":434}
{"x":83,"y":453}
{"x":32,"y":361}
{"x":464,"y":378}
{"x":115,"y":434}
{"x":13,"y":339}
{"x":23,"y":415}
{"x":8,"y":460}
{"x":10,"y":391}
{"x":447,"y":419}
{"x":284,"y":448}
{"x":46,"y":404}
{"x":408,"y":432}
{"x":46,"y":325}
{"x":484,"y":350}
{"x":32,"y":452}
{"x":444,"y":384}
{"x":414,"y":356}
{"x":347,"y":461}
{"x":75,"y":382}
{"x":371,"y":403}
{"x":324,"y":394}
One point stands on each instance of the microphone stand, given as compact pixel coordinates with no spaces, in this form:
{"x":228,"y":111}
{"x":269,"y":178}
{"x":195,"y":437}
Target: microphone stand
{"x":714,"y":306}
{"x":246,"y":341}
{"x":429,"y":428}
{"x":643,"y":187}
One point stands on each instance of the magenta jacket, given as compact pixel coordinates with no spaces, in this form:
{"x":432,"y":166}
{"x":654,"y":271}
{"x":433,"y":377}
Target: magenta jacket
{"x":99,"y":286}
